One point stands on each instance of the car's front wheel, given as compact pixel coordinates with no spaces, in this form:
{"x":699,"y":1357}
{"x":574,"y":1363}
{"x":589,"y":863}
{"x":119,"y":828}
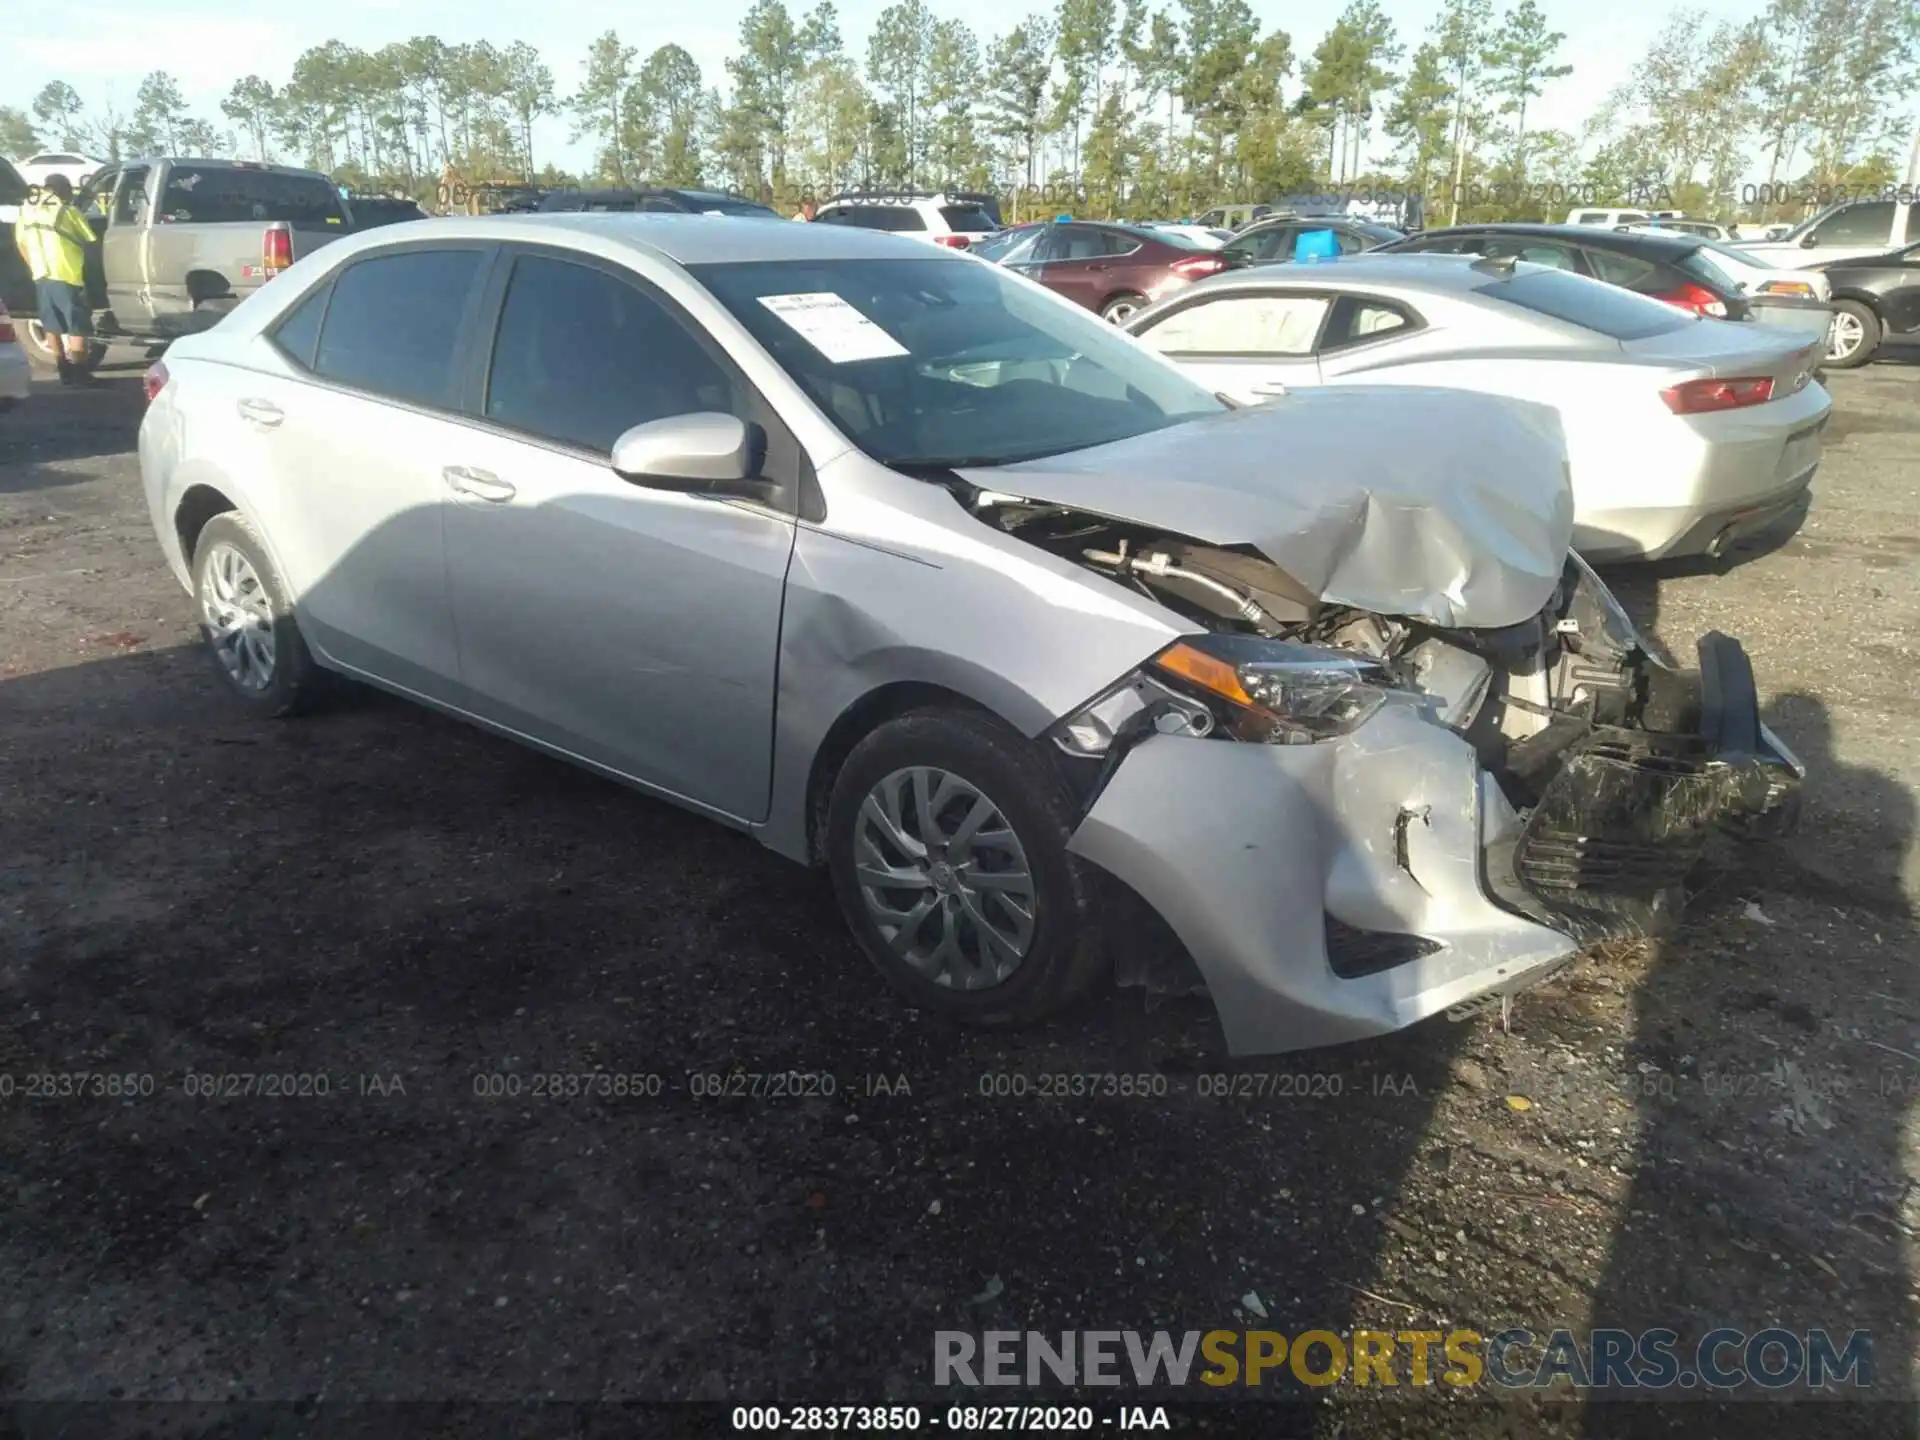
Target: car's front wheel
{"x":946,"y":838}
{"x":1853,"y":336}
{"x":247,"y":619}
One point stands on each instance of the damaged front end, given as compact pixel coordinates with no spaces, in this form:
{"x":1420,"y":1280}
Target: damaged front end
{"x":1353,"y":820}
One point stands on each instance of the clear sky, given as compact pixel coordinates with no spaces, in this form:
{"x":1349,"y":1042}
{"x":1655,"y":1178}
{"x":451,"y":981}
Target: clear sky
{"x":103,"y":47}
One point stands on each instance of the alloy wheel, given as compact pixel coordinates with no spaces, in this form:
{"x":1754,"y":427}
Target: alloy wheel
{"x":945,"y":878}
{"x":1121,"y":311}
{"x":1844,"y":335}
{"x":237,"y":615}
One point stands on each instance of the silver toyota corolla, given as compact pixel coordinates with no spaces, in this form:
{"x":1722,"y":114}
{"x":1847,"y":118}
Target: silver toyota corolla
{"x":1063,"y":667}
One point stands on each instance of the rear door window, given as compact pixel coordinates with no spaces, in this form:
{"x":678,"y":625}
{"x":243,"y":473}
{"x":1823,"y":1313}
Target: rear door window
{"x":228,"y":194}
{"x":393,"y":322}
{"x":1575,"y":300}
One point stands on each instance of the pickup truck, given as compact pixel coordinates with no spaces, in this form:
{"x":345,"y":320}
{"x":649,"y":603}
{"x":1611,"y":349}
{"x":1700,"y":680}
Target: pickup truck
{"x":184,"y":241}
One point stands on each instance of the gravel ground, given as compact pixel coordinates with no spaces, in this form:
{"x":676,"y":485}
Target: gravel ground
{"x":1713,"y":1131}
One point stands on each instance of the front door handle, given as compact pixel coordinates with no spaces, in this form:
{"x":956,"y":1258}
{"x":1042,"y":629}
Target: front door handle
{"x":263,"y":413}
{"x":1269,"y":387}
{"x":481,"y":484}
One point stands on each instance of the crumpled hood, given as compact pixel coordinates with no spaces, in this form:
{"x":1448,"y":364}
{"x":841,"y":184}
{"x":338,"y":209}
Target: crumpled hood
{"x":1445,"y":505}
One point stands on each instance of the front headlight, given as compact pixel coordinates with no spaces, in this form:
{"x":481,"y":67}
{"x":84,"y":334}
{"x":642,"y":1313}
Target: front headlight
{"x":1275,"y":692}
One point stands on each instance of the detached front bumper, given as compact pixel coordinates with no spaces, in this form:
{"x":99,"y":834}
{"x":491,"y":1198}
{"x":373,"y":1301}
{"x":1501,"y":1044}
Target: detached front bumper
{"x":1347,"y":889}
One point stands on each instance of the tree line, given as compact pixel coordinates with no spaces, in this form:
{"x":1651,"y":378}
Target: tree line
{"x":1131,"y":110}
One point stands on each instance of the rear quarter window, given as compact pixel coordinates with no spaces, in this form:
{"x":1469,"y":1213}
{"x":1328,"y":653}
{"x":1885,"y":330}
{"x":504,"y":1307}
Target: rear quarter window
{"x":225,"y":195}
{"x":1590,"y":304}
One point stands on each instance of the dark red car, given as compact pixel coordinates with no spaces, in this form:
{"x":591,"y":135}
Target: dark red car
{"x":1106,"y":266}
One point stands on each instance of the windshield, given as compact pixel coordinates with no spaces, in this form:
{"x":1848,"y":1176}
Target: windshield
{"x":1590,"y":304}
{"x":1379,"y":234}
{"x":945,"y":362}
{"x":1003,"y":245}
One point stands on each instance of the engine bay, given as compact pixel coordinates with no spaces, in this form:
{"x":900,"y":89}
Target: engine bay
{"x":1521,"y":694}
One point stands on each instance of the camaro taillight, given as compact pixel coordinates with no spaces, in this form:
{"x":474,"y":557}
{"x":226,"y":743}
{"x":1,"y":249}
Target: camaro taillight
{"x":156,"y":380}
{"x":1198,"y":267}
{"x":6,"y":326}
{"x":276,"y":249}
{"x":1697,"y":397}
{"x":952,"y":242}
{"x":1701,"y":302}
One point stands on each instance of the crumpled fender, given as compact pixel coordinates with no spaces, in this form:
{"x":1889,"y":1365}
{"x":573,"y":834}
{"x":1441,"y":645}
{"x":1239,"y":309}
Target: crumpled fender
{"x":1245,"y":850}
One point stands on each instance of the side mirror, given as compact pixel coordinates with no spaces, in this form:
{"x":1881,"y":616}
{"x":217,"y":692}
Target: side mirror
{"x":706,"y":452}
{"x":1807,"y":242}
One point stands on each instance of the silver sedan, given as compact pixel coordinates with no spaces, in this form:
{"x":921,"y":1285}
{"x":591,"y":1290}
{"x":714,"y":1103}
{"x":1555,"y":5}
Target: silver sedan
{"x":1686,"y":435}
{"x":1063,"y":668}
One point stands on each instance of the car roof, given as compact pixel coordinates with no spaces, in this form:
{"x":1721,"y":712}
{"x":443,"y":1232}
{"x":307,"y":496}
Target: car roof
{"x":695,"y":239}
{"x":1427,"y":274}
{"x":1669,"y":244}
{"x":210,"y":163}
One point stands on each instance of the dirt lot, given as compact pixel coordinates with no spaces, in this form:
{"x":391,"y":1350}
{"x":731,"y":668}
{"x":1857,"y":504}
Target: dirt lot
{"x":1716,"y":1131}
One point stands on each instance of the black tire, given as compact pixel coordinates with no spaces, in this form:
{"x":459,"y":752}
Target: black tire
{"x":41,"y":350}
{"x":1869,"y":336}
{"x":296,"y":683}
{"x":1121,"y":308}
{"x":1064,"y":957}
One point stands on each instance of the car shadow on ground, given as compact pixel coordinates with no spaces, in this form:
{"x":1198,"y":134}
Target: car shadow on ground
{"x":55,"y":425}
{"x":378,"y":891}
{"x":1769,"y":1189}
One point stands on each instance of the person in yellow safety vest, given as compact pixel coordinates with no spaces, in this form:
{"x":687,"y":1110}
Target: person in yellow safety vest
{"x":53,"y":236}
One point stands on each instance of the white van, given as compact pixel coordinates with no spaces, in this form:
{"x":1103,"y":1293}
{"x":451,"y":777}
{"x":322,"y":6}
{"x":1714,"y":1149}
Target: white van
{"x":1609,"y":218}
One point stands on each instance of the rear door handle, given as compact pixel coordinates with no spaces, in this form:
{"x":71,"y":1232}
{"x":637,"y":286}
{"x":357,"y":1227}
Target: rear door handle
{"x":481,"y":484}
{"x":263,"y":413}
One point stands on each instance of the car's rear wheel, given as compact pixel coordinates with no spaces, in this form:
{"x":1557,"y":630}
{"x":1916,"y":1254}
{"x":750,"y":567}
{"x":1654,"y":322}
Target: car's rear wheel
{"x":247,"y":619}
{"x":43,"y":350}
{"x":946,"y":838}
{"x":1122,"y":308}
{"x":1853,"y":336}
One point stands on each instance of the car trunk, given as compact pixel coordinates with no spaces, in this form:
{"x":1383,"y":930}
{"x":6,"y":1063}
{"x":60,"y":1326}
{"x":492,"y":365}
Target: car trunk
{"x":1723,"y":350}
{"x":1800,"y":315}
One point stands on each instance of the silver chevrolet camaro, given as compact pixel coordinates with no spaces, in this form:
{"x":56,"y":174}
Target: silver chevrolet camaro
{"x":1065,"y":669}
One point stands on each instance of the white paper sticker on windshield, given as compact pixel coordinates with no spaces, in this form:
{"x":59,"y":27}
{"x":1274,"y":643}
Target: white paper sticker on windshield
{"x":833,"y":327}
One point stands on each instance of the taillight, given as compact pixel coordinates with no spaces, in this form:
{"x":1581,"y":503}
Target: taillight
{"x":953,"y":242}
{"x":1697,"y":397}
{"x":156,"y":380}
{"x":276,"y":249}
{"x":1788,"y":287}
{"x":6,"y":326}
{"x":1692,"y":297}
{"x":1198,"y":267}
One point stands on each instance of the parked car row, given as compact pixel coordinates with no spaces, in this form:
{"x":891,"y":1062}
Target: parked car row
{"x":1064,"y":666}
